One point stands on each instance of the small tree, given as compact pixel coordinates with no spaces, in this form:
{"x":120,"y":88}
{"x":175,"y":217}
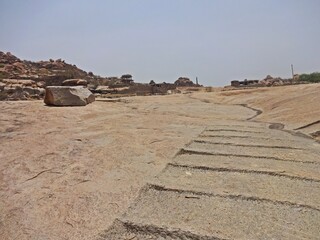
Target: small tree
{"x":312,"y":77}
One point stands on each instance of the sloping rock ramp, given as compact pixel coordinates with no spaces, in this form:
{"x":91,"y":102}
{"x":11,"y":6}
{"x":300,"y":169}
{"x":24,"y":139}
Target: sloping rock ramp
{"x":238,"y":181}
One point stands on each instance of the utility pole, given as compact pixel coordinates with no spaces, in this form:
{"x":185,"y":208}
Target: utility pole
{"x":197,"y":80}
{"x":292,"y":72}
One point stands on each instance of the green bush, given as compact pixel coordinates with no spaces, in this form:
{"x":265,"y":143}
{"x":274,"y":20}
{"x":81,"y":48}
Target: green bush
{"x":312,"y":77}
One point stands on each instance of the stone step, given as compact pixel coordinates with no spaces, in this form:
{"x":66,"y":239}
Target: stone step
{"x":243,"y":126}
{"x":121,"y":230}
{"x":264,"y":185}
{"x":236,"y":129}
{"x":256,"y":142}
{"x":235,"y":123}
{"x":219,"y":217}
{"x":259,"y":134}
{"x":294,"y":169}
{"x":285,"y":154}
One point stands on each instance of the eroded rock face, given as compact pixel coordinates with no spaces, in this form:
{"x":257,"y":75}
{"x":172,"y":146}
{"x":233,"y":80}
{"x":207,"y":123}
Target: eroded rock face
{"x":68,"y":96}
{"x":20,"y":89}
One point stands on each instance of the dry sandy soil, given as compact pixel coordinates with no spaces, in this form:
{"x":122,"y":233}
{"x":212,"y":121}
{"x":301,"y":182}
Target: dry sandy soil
{"x":68,"y":173}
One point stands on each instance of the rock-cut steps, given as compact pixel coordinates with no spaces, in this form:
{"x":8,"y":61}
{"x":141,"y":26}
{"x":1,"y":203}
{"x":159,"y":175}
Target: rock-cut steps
{"x":237,"y":181}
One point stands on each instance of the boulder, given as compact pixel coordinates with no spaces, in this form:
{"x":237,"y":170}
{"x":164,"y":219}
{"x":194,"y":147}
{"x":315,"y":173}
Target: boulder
{"x":74,"y":82}
{"x":183,"y":81}
{"x":68,"y":96}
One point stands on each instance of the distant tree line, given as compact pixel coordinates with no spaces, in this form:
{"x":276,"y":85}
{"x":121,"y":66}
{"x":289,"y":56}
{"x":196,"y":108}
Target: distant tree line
{"x":312,"y":77}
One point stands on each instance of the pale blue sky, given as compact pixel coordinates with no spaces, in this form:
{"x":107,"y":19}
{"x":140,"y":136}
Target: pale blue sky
{"x":216,"y":40}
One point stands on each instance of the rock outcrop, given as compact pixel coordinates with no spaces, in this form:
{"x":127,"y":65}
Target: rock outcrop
{"x":74,"y":82}
{"x":184,"y":82}
{"x":20,"y":89}
{"x":23,"y":80}
{"x":52,"y":72}
{"x":271,"y":81}
{"x":68,"y":96}
{"x":59,"y":73}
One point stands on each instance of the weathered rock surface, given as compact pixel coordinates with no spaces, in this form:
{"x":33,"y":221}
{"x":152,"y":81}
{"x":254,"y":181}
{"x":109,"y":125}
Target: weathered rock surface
{"x":20,"y":89}
{"x":68,"y":96}
{"x":221,"y":190}
{"x":75,"y":82}
{"x":99,"y":157}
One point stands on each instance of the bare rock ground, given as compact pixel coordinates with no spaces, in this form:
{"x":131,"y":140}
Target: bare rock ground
{"x":67,"y":173}
{"x":231,"y":191}
{"x":295,"y":106}
{"x":72,"y":173}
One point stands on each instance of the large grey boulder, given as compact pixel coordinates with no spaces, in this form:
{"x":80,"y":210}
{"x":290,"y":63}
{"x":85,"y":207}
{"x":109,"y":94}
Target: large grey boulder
{"x":68,"y":96}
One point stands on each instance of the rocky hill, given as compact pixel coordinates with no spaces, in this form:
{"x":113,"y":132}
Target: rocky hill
{"x":52,"y":72}
{"x":22,"y":79}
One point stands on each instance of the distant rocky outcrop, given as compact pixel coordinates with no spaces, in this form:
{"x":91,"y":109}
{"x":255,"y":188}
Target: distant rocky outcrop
{"x":184,"y":82}
{"x":52,"y":72}
{"x":271,"y":81}
{"x":59,"y":73}
{"x":268,"y":81}
{"x":16,"y":73}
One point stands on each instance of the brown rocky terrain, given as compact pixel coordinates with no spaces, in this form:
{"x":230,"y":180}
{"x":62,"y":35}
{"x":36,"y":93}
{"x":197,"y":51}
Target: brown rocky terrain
{"x":16,"y":73}
{"x":22,"y":79}
{"x":52,"y":72}
{"x":73,"y":173}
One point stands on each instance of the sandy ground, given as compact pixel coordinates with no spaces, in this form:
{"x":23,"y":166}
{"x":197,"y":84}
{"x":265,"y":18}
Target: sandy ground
{"x":67,"y":173}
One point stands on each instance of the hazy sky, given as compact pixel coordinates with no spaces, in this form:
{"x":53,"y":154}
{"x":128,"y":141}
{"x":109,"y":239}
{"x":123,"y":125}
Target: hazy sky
{"x":216,"y":40}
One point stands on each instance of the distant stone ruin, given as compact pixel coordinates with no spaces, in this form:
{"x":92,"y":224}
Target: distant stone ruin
{"x":236,"y":83}
{"x":266,"y":82}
